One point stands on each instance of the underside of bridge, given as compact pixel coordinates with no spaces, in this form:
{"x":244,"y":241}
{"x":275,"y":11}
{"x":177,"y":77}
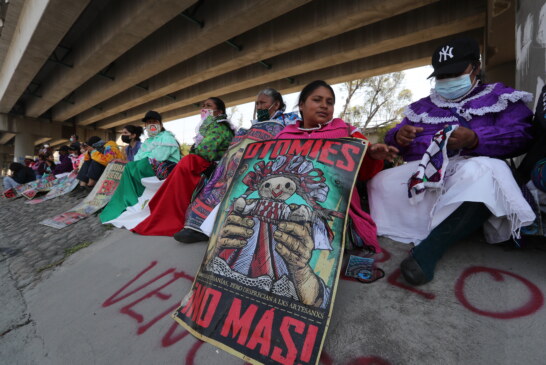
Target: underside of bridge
{"x":91,"y":66}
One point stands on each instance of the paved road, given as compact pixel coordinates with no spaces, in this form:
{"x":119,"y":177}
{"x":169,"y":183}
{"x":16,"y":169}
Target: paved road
{"x":110,"y":303}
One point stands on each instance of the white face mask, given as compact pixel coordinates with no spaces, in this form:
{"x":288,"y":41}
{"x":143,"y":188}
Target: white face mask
{"x":205,"y":113}
{"x":455,"y":87}
{"x":153,"y":129}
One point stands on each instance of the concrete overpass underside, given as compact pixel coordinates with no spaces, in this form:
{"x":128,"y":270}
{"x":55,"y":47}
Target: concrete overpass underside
{"x":91,"y":66}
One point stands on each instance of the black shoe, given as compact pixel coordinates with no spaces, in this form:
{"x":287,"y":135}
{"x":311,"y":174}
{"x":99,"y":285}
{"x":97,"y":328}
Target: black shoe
{"x":190,"y":236}
{"x":412,"y":272}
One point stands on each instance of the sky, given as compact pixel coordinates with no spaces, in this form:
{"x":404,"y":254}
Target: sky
{"x":184,"y":129}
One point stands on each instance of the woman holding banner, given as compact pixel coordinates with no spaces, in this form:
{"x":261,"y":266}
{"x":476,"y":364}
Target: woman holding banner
{"x":293,"y":242}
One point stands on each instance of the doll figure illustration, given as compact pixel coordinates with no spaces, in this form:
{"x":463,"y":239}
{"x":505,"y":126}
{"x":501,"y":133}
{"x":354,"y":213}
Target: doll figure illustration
{"x":267,"y":242}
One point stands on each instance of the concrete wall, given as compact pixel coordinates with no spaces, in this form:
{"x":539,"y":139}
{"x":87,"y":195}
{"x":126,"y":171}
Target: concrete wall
{"x":531,"y":46}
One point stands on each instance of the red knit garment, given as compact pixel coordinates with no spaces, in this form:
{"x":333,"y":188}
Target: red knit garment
{"x":168,"y":206}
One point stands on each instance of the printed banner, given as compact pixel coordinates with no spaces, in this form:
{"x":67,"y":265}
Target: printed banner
{"x":266,"y":286}
{"x":29,"y":190}
{"x":64,"y":186}
{"x":212,"y":193}
{"x":97,"y":199}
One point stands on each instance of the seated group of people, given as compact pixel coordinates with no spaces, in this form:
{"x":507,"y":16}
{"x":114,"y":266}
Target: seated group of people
{"x":454,"y":179}
{"x":453,"y":142}
{"x":44,"y":166}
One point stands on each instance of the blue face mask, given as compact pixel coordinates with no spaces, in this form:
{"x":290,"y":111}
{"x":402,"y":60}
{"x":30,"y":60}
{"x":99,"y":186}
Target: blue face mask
{"x":453,"y":88}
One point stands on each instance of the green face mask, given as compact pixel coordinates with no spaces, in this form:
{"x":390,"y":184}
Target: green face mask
{"x":262,"y":115}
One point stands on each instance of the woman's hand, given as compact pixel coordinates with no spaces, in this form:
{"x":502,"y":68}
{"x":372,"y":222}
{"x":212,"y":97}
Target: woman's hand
{"x":381,"y":151}
{"x":462,"y":137}
{"x":406,"y":134}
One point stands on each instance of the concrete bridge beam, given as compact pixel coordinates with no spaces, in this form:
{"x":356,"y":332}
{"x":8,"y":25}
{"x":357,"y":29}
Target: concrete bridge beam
{"x":6,"y":137}
{"x":23,"y":125}
{"x":174,"y":43}
{"x":404,"y":30}
{"x":397,"y":60}
{"x":309,"y":24}
{"x":40,"y":28}
{"x":10,"y":23}
{"x":123,"y":24}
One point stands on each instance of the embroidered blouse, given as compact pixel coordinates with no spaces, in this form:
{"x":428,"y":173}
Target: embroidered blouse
{"x":105,"y":153}
{"x":161,"y":147}
{"x":495,"y":112}
{"x":216,"y":135}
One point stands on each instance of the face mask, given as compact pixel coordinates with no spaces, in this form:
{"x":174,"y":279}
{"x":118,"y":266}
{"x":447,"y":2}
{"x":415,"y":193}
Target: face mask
{"x":205,"y":113}
{"x":153,"y":129}
{"x":263,"y":114}
{"x":125,"y":139}
{"x":453,"y":88}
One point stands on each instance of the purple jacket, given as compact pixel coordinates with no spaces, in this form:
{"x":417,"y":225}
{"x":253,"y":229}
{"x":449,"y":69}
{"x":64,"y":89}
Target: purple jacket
{"x":495,"y":112}
{"x":65,"y":165}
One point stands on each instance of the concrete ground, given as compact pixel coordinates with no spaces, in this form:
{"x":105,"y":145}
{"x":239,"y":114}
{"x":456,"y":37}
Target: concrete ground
{"x":110,"y":303}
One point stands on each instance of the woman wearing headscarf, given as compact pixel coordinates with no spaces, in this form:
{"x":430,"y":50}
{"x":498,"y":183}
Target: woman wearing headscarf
{"x":455,"y":180}
{"x":169,"y":204}
{"x":157,"y":156}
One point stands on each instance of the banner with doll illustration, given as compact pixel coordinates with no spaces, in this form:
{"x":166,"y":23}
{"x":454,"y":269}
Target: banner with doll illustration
{"x":212,"y":193}
{"x":97,"y":199}
{"x":266,"y":287}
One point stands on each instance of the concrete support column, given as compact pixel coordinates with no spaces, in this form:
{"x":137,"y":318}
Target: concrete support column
{"x":24,"y":145}
{"x":3,"y":162}
{"x":531,"y":46}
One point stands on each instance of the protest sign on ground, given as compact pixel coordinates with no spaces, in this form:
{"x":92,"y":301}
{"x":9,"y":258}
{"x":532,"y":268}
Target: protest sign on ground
{"x":96,"y":200}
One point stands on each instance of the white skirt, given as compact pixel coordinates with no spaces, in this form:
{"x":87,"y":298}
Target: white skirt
{"x":476,"y":179}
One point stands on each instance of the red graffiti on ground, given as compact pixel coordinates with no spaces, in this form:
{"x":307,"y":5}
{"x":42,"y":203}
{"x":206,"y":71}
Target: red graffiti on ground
{"x":393,"y":280}
{"x":171,"y":276}
{"x":534,"y":303}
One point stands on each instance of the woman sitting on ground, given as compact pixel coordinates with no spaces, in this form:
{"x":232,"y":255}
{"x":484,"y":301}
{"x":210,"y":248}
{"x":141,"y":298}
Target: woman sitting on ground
{"x":241,"y":247}
{"x":131,"y":135}
{"x":270,"y":120}
{"x":157,"y":156}
{"x":98,"y":154}
{"x":316,"y":103}
{"x":65,"y":163}
{"x":21,"y":174}
{"x":457,"y":183}
{"x":169,"y":204}
{"x":76,"y":157}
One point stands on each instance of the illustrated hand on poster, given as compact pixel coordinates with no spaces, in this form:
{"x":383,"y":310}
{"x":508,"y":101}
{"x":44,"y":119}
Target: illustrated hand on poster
{"x":295,"y":244}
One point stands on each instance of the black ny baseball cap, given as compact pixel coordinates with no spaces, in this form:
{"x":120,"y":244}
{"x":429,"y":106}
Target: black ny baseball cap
{"x":454,"y":56}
